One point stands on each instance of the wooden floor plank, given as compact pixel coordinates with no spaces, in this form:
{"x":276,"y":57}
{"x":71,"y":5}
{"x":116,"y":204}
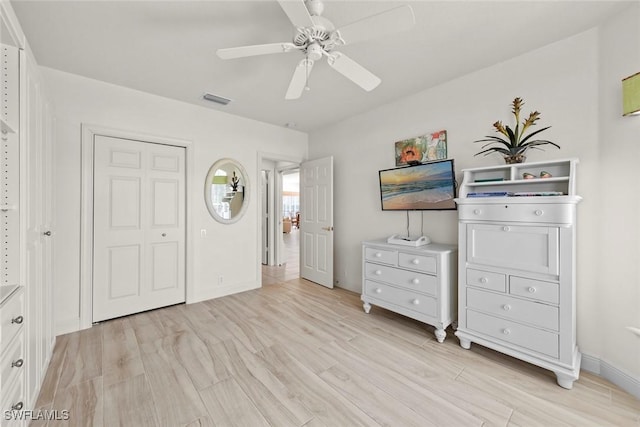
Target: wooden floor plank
{"x":84,"y":402}
{"x":278,"y":404}
{"x":129,"y":403}
{"x":319,"y":398}
{"x":121,"y":354}
{"x":230,"y":406}
{"x":177,"y":401}
{"x":50,"y":382}
{"x":83,"y":359}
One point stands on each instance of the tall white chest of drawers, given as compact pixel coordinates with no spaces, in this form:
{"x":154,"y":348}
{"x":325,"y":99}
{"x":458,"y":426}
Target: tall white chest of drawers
{"x":418,"y":282}
{"x":517,"y":265}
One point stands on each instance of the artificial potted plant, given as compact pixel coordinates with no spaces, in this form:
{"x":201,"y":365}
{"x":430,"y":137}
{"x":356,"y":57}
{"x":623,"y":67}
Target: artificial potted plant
{"x":514,"y":144}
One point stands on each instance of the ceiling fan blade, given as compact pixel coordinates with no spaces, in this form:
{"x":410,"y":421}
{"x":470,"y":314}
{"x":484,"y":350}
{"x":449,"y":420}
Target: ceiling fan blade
{"x":387,"y":22}
{"x":259,"y":49}
{"x":297,"y":12}
{"x":353,"y":71}
{"x":299,"y":79}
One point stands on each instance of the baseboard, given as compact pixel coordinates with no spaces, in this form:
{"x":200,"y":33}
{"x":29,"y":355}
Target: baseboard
{"x":67,"y":326}
{"x":604,"y":369}
{"x":222,"y":291}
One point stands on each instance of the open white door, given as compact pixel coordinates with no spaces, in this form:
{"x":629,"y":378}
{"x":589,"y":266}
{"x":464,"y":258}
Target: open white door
{"x":316,"y":221}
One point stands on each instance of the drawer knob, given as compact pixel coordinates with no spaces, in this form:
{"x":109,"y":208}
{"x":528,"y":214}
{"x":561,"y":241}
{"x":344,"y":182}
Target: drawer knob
{"x":506,"y":307}
{"x":506,"y":331}
{"x":17,"y":364}
{"x":531,"y":290}
{"x":378,"y":291}
{"x":477,"y":211}
{"x":415,"y":301}
{"x":416,"y":281}
{"x":378,"y":272}
{"x":415,"y":261}
{"x":17,"y":320}
{"x":506,"y":228}
{"x":484,"y":280}
{"x":18,"y":406}
{"x":539,"y":212}
{"x":378,"y":255}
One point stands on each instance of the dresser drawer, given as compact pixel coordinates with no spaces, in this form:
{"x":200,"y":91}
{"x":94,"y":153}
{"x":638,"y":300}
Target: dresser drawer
{"x":12,"y":397}
{"x":525,"y":336}
{"x":486,"y":280}
{"x":381,"y":256}
{"x":12,"y":362}
{"x":417,"y":262}
{"x":11,"y":318}
{"x":533,"y":313}
{"x":534,"y":289}
{"x":546,"y":213}
{"x":401,"y":297}
{"x":419,"y":282}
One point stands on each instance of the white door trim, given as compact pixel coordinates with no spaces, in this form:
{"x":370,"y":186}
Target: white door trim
{"x":86,"y":210}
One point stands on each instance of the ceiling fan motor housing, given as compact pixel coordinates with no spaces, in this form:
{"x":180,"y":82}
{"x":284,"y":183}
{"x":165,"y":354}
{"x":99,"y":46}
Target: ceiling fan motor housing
{"x":322,"y":33}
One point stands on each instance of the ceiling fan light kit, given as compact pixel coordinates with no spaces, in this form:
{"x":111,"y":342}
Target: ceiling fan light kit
{"x":315,"y":36}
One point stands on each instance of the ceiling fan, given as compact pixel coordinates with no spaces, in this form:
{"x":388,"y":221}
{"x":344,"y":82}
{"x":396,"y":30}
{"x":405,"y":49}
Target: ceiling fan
{"x":315,"y":36}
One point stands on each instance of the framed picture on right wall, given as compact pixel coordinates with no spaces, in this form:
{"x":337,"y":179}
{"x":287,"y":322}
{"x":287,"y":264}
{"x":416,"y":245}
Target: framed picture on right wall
{"x":432,"y":146}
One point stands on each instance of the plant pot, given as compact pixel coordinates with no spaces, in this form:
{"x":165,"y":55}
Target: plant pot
{"x":515,"y":158}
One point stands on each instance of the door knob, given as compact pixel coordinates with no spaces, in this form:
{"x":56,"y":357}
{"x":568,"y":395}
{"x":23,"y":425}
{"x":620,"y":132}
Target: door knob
{"x":47,"y":233}
{"x":328,"y":228}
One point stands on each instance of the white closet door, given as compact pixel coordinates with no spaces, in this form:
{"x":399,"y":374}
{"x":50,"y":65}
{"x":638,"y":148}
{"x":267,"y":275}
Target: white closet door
{"x":139,"y":227}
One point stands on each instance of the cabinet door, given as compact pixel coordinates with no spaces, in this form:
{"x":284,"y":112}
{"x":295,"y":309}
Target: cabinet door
{"x":527,"y":248}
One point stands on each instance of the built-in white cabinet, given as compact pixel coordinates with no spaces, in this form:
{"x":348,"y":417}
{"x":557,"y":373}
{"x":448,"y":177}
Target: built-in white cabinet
{"x":418,"y":282}
{"x":26,"y":318}
{"x":517,"y":284}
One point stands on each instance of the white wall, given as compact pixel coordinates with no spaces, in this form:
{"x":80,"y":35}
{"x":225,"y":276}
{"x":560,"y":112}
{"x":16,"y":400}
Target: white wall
{"x":561,"y":81}
{"x":617,"y":300}
{"x":227,"y":251}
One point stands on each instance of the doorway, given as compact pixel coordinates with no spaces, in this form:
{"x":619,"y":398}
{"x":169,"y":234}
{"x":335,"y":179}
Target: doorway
{"x":279,"y":226}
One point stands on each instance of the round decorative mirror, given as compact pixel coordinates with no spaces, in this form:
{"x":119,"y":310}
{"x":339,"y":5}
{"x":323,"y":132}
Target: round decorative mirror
{"x":226,"y":191}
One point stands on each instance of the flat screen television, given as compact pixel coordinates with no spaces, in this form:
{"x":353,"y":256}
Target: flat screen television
{"x":427,"y":186}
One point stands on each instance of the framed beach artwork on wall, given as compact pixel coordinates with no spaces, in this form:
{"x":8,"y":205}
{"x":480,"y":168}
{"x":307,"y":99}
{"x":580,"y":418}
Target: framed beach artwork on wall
{"x":432,"y":146}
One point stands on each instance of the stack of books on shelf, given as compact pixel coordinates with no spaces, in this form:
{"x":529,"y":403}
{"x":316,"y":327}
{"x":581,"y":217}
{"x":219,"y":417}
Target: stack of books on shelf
{"x":490,"y":194}
{"x":514,"y":194}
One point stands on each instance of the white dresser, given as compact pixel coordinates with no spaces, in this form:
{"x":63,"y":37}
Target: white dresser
{"x":517,"y":265}
{"x":12,"y":349}
{"x":416,"y":282}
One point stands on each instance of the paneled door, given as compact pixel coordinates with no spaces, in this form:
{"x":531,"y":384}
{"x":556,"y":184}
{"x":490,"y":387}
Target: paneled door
{"x":139,"y":226}
{"x":36,"y":186}
{"x":316,"y":221}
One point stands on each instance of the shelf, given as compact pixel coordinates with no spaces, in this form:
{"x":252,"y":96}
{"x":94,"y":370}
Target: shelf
{"x":515,"y":182}
{"x":5,"y":208}
{"x":509,"y":178}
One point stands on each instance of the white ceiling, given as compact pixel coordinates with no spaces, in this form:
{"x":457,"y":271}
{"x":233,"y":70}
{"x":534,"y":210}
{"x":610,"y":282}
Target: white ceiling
{"x":168,"y":48}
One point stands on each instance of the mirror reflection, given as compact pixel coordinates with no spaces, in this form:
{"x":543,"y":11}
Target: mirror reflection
{"x":226,"y":190}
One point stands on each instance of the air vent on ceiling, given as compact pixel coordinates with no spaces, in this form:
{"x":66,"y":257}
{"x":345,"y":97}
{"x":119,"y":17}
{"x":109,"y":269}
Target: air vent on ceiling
{"x":216,"y":98}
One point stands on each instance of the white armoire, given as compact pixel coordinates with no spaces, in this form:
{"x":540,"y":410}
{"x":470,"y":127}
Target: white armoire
{"x":26,"y":328}
{"x":517,"y":251}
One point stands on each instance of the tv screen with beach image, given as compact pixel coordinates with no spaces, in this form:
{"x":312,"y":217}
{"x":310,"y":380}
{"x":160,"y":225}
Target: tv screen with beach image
{"x":429,"y":186}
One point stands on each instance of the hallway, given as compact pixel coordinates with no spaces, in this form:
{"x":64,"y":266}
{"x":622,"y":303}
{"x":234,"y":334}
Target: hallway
{"x":272,"y":275}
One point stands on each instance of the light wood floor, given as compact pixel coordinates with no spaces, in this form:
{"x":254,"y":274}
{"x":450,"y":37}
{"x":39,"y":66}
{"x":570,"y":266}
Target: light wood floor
{"x":295,"y":353}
